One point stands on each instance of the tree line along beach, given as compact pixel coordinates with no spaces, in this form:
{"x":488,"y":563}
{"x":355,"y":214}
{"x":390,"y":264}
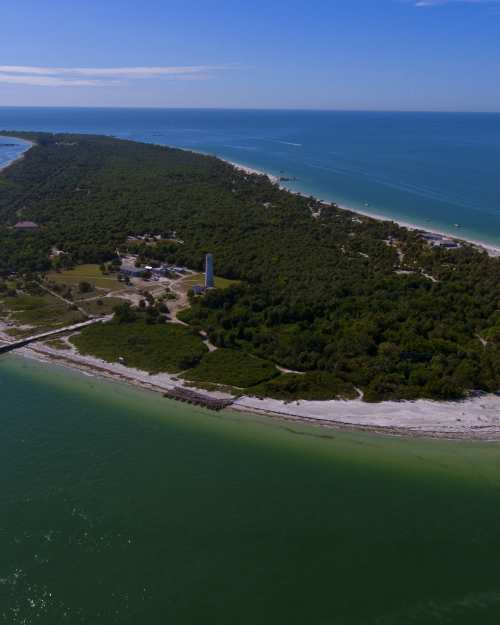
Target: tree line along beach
{"x":332,"y":352}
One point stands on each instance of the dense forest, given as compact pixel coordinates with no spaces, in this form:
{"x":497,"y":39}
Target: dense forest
{"x":344,"y":301}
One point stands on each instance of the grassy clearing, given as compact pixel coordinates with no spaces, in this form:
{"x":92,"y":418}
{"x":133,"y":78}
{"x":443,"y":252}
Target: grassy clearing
{"x":314,"y":385}
{"x":224,"y":283}
{"x":58,"y":344}
{"x":16,"y":333}
{"x":199,"y":279}
{"x":189,"y":281}
{"x":232,"y":368}
{"x":102,"y":306}
{"x":39,"y":311}
{"x":154,"y":348}
{"x":86,"y":273}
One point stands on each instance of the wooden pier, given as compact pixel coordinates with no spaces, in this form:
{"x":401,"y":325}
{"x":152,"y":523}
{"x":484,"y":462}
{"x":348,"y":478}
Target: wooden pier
{"x":198,"y":399}
{"x":9,"y":347}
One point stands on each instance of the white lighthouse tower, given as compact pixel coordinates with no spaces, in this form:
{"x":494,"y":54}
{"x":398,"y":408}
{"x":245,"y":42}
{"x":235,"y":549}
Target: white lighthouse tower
{"x":209,"y":271}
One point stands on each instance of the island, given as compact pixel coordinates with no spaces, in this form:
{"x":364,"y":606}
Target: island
{"x":103,"y":245}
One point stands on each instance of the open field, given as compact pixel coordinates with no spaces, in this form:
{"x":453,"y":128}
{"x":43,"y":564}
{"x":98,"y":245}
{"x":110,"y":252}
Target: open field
{"x":58,"y":344}
{"x":199,"y":279}
{"x":42,"y":312}
{"x":154,"y":348}
{"x":86,"y":273}
{"x":100,"y":306}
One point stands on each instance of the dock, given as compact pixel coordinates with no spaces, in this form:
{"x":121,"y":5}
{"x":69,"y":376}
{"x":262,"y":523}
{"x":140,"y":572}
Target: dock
{"x":9,"y":347}
{"x":198,"y":399}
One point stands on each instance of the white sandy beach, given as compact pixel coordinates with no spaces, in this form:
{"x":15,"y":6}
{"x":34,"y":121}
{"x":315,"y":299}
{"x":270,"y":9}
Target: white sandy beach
{"x":160,"y":382}
{"x":492,"y":250}
{"x":251,"y":170}
{"x":477,"y":418}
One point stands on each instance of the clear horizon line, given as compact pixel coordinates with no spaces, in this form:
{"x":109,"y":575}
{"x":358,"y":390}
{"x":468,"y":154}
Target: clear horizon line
{"x":263,"y":109}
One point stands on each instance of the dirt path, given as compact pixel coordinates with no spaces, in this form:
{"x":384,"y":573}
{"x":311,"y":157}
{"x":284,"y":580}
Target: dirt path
{"x":66,"y":301}
{"x":180,"y":290}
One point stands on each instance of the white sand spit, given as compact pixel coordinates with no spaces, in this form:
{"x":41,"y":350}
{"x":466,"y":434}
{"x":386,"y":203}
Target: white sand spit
{"x":478,"y":417}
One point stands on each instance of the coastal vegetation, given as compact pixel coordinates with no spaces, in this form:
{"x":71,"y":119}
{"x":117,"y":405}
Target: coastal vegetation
{"x":89,"y":273}
{"x":58,"y":344}
{"x":40,"y":312}
{"x":346,"y":302}
{"x":155,"y":348}
{"x":199,"y":280}
{"x":100,"y":306}
{"x":232,"y":368}
{"x":314,"y":385}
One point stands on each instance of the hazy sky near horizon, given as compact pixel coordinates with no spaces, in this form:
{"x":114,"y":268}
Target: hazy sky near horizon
{"x":326,"y":54}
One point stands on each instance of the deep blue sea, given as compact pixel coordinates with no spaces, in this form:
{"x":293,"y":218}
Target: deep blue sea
{"x":430,"y":169}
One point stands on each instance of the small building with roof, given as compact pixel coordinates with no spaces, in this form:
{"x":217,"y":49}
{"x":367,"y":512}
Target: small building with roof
{"x":198,"y":289}
{"x":26,"y":225}
{"x":129,"y":269}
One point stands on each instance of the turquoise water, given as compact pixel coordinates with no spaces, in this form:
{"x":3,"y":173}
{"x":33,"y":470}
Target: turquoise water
{"x":10,"y":149}
{"x":431,"y":169}
{"x":121,"y":507}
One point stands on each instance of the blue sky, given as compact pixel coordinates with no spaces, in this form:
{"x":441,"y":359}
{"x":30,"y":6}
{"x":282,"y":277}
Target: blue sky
{"x":325,"y":54}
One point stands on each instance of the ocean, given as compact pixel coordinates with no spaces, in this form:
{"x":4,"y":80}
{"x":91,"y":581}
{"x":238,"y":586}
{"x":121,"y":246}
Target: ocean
{"x":436,"y":170}
{"x":119,"y":507}
{"x":11,"y":149}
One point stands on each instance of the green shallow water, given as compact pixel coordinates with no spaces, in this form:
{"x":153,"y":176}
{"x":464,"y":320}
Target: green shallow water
{"x":121,"y":507}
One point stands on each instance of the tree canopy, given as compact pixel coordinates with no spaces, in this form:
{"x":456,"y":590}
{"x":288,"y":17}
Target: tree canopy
{"x":323,"y":291}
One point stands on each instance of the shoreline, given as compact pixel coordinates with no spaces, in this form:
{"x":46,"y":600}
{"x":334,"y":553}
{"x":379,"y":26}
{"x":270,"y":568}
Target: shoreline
{"x":476,"y":419}
{"x":491,"y":249}
{"x":15,"y":160}
{"x":419,"y":418}
{"x":252,"y":171}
